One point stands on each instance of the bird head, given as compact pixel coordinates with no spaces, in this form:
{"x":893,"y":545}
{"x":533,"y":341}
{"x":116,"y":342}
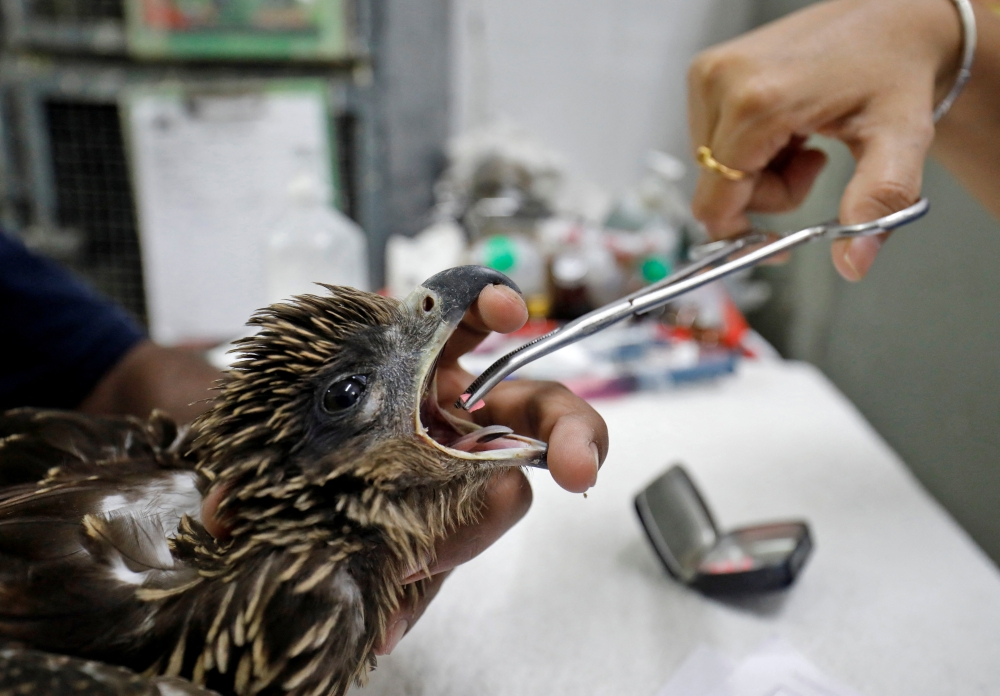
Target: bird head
{"x":329,"y":419}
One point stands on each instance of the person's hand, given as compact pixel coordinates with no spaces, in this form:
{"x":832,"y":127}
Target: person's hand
{"x":576,"y":435}
{"x":178,"y":381}
{"x":867,"y":72}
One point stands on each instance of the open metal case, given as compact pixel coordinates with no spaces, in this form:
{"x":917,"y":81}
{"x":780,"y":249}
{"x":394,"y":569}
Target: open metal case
{"x":683,"y":533}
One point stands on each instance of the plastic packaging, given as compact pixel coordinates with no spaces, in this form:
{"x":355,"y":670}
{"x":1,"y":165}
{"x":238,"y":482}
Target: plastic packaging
{"x":312,"y":242}
{"x":409,"y":261}
{"x":660,"y":189}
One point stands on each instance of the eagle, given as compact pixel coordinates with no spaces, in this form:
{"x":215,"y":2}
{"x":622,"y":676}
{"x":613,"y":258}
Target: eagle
{"x":335,"y":469}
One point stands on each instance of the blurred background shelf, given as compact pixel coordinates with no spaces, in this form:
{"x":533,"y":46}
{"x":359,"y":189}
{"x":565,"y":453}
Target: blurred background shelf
{"x":253,"y":30}
{"x":65,"y":182}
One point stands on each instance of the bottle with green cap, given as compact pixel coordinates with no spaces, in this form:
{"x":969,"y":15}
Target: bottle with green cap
{"x":654,"y":268}
{"x":313,"y":242}
{"x":500,"y":253}
{"x":519,"y":258}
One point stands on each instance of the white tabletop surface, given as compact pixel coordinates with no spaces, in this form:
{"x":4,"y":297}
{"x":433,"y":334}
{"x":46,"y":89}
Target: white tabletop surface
{"x":895,"y":599}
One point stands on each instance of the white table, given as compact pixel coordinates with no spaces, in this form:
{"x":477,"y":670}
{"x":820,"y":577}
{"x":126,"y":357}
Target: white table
{"x":895,"y":599}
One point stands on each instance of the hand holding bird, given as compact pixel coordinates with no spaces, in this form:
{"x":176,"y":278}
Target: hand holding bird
{"x":334,"y":469}
{"x":576,"y":435}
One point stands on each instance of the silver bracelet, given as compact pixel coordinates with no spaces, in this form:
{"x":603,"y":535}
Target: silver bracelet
{"x":968,"y":17}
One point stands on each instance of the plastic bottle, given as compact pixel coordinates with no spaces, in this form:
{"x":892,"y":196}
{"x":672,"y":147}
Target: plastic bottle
{"x":409,"y":261}
{"x":520,"y":259}
{"x":569,"y":286}
{"x":313,"y":242}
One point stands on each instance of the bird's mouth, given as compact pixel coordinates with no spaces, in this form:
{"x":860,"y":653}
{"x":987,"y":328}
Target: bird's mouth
{"x":448,"y":300}
{"x":467,"y":440}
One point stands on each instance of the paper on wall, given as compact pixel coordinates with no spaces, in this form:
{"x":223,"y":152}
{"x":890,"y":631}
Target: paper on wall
{"x":210,"y":172}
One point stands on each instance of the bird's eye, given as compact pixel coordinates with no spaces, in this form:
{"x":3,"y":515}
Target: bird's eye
{"x":344,"y":393}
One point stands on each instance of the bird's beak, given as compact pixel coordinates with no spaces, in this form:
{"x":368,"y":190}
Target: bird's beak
{"x":445,"y":298}
{"x":457,"y":288}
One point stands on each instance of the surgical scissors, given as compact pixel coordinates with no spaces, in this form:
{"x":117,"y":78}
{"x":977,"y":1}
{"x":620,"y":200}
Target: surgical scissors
{"x":711,"y":264}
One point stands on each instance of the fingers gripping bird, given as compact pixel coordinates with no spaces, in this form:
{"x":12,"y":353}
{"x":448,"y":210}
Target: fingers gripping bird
{"x":336,"y":470}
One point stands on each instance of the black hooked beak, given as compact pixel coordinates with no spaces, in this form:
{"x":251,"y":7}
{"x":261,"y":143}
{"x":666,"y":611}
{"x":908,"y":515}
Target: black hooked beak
{"x":457,"y":288}
{"x":444,"y":299}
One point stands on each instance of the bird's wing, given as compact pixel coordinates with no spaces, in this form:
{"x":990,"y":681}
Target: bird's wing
{"x":33,"y":672}
{"x":34,"y":443}
{"x":86,"y":510}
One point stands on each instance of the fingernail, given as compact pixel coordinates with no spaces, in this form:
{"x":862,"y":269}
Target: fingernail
{"x":418,"y":571}
{"x":509,"y":292}
{"x":597,"y":463}
{"x":414,"y":575}
{"x":396,"y":634}
{"x":860,"y":255}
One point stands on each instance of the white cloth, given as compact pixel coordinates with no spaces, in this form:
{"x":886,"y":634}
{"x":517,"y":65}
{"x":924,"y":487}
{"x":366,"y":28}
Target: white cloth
{"x":895,"y":599}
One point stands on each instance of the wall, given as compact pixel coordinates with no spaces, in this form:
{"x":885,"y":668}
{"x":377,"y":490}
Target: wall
{"x":600,"y":81}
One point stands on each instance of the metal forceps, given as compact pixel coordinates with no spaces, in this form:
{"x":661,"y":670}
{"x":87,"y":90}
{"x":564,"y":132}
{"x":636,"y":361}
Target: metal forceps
{"x":713,"y":263}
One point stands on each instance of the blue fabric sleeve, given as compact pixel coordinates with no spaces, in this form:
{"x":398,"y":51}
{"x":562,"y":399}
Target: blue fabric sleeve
{"x":57,"y":336}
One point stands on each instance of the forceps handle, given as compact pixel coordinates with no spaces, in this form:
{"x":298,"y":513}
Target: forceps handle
{"x":640,"y":302}
{"x":677,"y":284}
{"x":658,"y":297}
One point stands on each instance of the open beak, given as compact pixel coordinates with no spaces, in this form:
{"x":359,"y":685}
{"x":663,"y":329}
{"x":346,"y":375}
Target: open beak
{"x":445,"y":298}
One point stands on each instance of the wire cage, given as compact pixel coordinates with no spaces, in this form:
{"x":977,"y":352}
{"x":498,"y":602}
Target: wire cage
{"x":93,"y":196}
{"x":65,"y":179}
{"x":66,"y":183}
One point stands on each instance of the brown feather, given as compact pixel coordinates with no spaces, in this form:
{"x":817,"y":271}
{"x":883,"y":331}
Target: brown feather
{"x":326,"y":511}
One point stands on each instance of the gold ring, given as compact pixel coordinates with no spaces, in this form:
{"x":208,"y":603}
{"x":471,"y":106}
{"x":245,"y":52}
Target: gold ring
{"x":706,"y":160}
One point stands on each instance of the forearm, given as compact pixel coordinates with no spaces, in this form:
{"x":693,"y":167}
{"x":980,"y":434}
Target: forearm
{"x":149,"y":377}
{"x":967,"y":139}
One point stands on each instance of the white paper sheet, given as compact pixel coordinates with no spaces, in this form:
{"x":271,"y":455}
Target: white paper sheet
{"x":774,"y":669}
{"x":211,"y":173}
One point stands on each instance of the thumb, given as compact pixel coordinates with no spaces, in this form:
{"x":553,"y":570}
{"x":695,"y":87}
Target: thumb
{"x":887,"y":178}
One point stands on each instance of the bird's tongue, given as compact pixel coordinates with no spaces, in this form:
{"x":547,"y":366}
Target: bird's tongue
{"x":489,"y":438}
